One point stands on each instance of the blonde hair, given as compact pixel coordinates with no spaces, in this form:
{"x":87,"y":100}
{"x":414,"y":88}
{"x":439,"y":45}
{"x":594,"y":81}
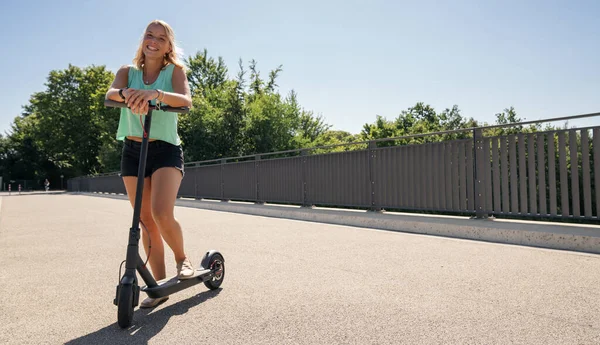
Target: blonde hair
{"x":170,"y":57}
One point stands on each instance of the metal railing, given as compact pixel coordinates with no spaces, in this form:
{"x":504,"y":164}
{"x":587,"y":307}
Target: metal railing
{"x":544,"y":174}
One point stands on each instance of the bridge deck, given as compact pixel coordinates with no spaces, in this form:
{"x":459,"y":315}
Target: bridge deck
{"x":287,"y":282}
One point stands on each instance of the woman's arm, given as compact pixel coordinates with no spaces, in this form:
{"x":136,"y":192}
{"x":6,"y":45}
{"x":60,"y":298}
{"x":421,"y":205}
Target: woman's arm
{"x":137,"y":100}
{"x":181,"y":96}
{"x":120,"y":82}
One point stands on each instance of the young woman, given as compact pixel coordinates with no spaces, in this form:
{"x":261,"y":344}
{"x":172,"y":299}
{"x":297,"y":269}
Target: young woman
{"x":155,"y":76}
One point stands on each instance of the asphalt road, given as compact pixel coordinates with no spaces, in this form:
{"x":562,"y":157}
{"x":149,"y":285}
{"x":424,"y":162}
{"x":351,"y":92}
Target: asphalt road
{"x":287,"y":282}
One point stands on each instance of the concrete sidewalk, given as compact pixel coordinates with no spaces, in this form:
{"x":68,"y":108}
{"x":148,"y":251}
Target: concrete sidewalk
{"x":287,"y":282}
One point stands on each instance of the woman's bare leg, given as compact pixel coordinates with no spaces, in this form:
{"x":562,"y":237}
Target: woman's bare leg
{"x":157,"y":253}
{"x":165,"y":186}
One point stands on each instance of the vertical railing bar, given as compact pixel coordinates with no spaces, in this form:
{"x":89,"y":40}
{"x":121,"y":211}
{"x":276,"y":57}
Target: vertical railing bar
{"x":323,"y":193}
{"x":576,"y":210}
{"x":425,"y":202}
{"x":407,"y":168}
{"x":496,"y":175}
{"x":256,"y":178}
{"x":585,"y":162}
{"x":348,"y":174}
{"x":470,"y":168}
{"x":551,"y":143}
{"x":506,"y":200}
{"x":416,"y":169}
{"x":331,"y":162}
{"x":380,"y":166}
{"x":380,"y":186}
{"x":299,"y":188}
{"x":403,"y":176}
{"x":522,"y":175}
{"x":427,"y":172}
{"x":531,"y":176}
{"x":440,"y":195}
{"x":463,"y":176}
{"x":303,"y":167}
{"x":399,"y":178}
{"x":596,"y":143}
{"x":448,"y":175}
{"x":411,"y":176}
{"x":335,"y":176}
{"x":478,"y":174}
{"x":564,"y":184}
{"x":541,"y":167}
{"x":489,"y":206}
{"x":386,"y":175}
{"x":514,"y":195}
{"x":196,"y":171}
{"x":455,"y":177}
{"x":350,"y":164}
{"x":371,"y":163}
{"x":223,"y":161}
{"x":432,"y":164}
{"x":420,"y":172}
{"x":432,"y":199}
{"x":419,"y":185}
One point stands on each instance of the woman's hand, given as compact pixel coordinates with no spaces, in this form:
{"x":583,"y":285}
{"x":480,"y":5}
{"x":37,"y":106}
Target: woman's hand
{"x":137,"y":100}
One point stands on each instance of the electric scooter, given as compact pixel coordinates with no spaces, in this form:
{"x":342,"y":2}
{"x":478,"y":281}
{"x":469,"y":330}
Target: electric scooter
{"x":212,"y":266}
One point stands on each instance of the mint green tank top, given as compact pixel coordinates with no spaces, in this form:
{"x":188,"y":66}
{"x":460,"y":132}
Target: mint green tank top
{"x":164,"y":124}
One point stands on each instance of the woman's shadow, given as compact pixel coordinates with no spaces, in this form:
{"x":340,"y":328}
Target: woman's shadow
{"x":145,"y":324}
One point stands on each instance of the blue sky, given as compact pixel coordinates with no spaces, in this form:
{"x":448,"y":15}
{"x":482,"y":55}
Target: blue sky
{"x":347,"y":60}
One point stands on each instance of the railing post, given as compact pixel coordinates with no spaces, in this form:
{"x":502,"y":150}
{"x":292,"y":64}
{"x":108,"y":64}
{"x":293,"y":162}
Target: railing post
{"x":479,"y":174}
{"x":256,"y":170}
{"x":196,"y":194}
{"x":223,"y":161}
{"x":195,"y":186}
{"x":305,"y":203}
{"x":371,"y":166}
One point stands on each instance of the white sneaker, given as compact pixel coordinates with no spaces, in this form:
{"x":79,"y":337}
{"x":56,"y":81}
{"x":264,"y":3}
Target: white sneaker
{"x":185,"y":269}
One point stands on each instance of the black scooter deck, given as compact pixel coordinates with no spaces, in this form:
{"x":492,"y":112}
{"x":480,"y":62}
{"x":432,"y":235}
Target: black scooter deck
{"x":170,"y":286}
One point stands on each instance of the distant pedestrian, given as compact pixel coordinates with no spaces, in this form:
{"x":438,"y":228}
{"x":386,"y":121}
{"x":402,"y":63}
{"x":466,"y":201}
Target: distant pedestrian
{"x":47,"y":185}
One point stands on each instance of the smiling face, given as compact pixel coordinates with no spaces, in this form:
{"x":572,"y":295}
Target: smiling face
{"x":156,"y":42}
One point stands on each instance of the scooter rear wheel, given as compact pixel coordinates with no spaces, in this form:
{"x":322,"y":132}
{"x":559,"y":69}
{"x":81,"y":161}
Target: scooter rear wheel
{"x":125,"y":307}
{"x":217,"y":265}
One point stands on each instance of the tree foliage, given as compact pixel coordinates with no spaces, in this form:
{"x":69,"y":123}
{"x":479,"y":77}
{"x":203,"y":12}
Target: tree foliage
{"x":64,"y":129}
{"x":243,"y":115}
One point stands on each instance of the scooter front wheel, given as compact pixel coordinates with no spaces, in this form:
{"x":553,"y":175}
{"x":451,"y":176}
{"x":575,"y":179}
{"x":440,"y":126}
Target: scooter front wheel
{"x":125,"y":306}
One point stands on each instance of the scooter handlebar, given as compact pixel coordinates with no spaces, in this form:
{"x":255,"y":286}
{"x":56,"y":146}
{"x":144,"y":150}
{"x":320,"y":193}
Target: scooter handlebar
{"x":115,"y":104}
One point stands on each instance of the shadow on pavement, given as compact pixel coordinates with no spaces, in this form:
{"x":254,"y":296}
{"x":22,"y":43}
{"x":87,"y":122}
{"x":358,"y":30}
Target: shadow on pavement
{"x":146,"y":323}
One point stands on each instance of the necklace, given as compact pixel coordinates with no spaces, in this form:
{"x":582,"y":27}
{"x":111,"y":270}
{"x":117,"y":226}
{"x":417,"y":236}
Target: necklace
{"x":145,"y":78}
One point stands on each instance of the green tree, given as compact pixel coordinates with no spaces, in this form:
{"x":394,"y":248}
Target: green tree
{"x":450,"y":119}
{"x":239,"y":116}
{"x":419,"y":119}
{"x":380,"y":129}
{"x":67,"y":125}
{"x":213,"y":127}
{"x":342,"y":140}
{"x":21,"y":156}
{"x":205,"y":73}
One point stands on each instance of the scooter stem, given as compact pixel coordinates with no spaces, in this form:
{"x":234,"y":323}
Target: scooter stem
{"x":141,"y":169}
{"x":133,"y":257}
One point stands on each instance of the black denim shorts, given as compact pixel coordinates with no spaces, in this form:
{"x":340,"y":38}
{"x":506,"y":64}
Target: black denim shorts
{"x":160,"y":154}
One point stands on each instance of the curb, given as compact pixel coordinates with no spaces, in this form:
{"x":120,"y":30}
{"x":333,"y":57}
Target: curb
{"x":572,"y":237}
